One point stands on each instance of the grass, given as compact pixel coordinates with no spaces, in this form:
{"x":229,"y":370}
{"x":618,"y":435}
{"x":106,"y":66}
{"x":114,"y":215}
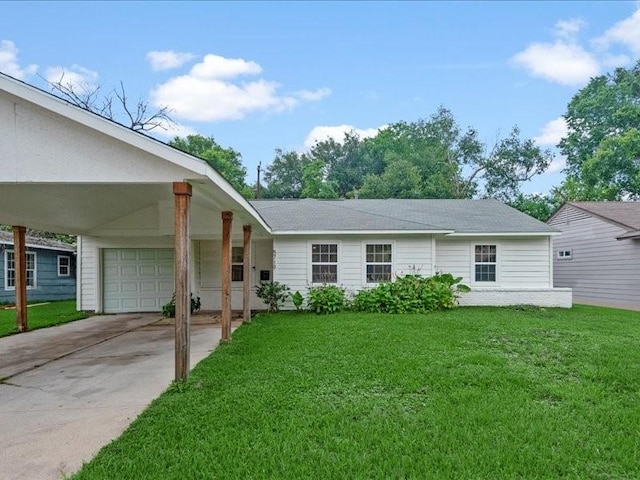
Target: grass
{"x":468,"y":393}
{"x":41,"y":316}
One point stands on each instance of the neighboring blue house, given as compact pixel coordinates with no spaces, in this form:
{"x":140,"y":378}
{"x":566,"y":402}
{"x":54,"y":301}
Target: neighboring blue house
{"x":51,"y":269}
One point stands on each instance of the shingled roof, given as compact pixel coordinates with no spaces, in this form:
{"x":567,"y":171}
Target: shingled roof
{"x":625,"y":214}
{"x":396,"y":215}
{"x":7,"y":238}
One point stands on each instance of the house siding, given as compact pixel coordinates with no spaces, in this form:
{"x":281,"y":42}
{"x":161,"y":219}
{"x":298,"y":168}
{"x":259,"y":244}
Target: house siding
{"x":49,"y":286}
{"x":521,"y":262}
{"x":602,"y":270}
{"x":293,"y":259}
{"x":207,"y":273}
{"x":523,"y":265}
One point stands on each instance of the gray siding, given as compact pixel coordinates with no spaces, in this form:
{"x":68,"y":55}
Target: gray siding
{"x":49,"y":286}
{"x":602,"y":270}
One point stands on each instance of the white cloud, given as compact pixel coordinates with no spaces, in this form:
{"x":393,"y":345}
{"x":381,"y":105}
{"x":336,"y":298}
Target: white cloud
{"x":552,"y":132}
{"x":9,"y":61}
{"x":569,"y":28}
{"x":75,"y":76}
{"x":561,"y":62}
{"x":167,"y":60}
{"x":211,"y":92}
{"x":313,"y":95}
{"x":567,"y":62}
{"x":625,"y":32}
{"x":336,"y":132}
{"x":215,"y":66}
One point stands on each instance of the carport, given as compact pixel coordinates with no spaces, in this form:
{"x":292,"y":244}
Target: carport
{"x":64,"y":169}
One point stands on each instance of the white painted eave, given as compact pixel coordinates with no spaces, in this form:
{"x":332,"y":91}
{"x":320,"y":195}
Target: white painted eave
{"x":505,"y":234}
{"x":41,"y":247}
{"x":361,"y":232}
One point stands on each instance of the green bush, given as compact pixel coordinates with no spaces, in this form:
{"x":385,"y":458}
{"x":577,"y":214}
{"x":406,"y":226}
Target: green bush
{"x":411,"y":294}
{"x":326,"y":299}
{"x":297,"y":300}
{"x":169,"y":309}
{"x":274,"y":294}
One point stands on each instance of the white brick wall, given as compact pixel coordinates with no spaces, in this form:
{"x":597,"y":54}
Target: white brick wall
{"x":542,"y":297}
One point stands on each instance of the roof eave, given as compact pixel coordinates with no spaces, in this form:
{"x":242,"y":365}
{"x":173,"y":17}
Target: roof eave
{"x":504,"y":234}
{"x":360,"y":232}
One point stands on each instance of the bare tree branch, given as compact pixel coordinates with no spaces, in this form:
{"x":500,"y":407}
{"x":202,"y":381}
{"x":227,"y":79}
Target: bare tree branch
{"x":88,"y":97}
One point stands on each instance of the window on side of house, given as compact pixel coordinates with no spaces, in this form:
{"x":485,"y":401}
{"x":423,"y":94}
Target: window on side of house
{"x":324,"y":263}
{"x":485,"y":263}
{"x":565,"y":254}
{"x":10,"y":270}
{"x":64,"y":266}
{"x":237,"y":264}
{"x":378,"y":260}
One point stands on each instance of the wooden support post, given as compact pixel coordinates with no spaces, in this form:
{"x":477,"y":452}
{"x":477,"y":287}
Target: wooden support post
{"x":227,"y":217}
{"x":20,"y":264}
{"x":182,"y":212}
{"x":246,"y":275}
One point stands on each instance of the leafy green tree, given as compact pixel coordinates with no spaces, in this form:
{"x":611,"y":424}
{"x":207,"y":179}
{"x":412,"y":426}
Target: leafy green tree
{"x":314,"y":181}
{"x":602,"y":145}
{"x":535,"y":205}
{"x":401,"y":179}
{"x":283,"y":177}
{"x":428,"y":158}
{"x":226,"y":161}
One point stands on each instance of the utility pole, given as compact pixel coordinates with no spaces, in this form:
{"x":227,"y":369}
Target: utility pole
{"x":258,"y":182}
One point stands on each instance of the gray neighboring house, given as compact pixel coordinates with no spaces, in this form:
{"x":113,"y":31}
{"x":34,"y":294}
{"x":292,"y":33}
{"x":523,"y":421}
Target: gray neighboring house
{"x":51,"y":269}
{"x":598,"y":253}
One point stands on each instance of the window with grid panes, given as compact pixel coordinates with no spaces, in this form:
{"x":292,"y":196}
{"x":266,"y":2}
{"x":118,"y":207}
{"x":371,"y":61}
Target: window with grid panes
{"x":237,"y":264}
{"x":10,"y":269}
{"x":324,"y":263}
{"x":378,"y":260}
{"x":485,"y":263}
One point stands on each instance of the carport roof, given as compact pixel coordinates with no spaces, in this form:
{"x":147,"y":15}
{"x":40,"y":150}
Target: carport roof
{"x":66,"y":169}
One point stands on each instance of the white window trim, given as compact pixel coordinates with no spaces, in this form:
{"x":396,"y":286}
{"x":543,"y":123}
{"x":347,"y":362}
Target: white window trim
{"x":68,"y":274}
{"x":564,"y":257}
{"x":310,"y":243}
{"x":473,"y":263}
{"x":365,"y":263}
{"x":35,"y":270}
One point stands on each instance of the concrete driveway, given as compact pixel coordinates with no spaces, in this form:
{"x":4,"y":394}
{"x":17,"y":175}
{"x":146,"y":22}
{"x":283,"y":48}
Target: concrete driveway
{"x":67,"y":391}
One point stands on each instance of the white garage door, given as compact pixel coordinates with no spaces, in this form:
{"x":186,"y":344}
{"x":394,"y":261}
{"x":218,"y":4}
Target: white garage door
{"x":137,"y":279}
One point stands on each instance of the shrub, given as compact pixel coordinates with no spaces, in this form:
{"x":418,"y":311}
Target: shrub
{"x":326,"y":299}
{"x":297,"y":300}
{"x":411,"y":294}
{"x":169,"y":309}
{"x":274,"y":294}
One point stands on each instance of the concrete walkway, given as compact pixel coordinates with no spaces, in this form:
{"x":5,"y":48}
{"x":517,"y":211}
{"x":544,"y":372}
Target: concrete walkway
{"x":67,"y":391}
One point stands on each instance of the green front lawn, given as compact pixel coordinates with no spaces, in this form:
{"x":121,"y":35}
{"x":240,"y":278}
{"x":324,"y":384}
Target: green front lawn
{"x":468,"y":393}
{"x":40,"y":316}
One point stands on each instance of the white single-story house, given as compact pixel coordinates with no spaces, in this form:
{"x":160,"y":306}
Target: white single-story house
{"x":501,"y":253}
{"x":598,"y":253}
{"x":152,"y":220}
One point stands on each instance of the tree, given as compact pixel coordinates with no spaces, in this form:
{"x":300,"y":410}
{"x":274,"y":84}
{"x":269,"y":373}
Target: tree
{"x":283,"y":176}
{"x":535,"y":205}
{"x":401,"y":179}
{"x":137,"y":117}
{"x":315,"y":184}
{"x":226,"y":161}
{"x":602,"y":144}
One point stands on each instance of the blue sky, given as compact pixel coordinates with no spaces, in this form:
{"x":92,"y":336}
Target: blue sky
{"x":266,"y":75}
